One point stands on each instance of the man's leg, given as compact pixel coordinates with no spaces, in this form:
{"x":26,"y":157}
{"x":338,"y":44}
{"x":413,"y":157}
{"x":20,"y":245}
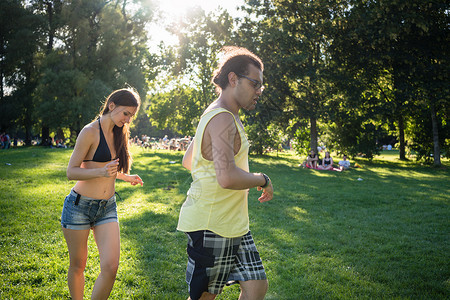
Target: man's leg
{"x":253,"y":289}
{"x":206,"y":296}
{"x":211,"y":259}
{"x":249,"y":271}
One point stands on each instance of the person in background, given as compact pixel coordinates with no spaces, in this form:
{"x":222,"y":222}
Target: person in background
{"x":327,"y":162}
{"x":7,"y":141}
{"x":311,"y":160}
{"x":100,"y":156}
{"x":344,"y":164}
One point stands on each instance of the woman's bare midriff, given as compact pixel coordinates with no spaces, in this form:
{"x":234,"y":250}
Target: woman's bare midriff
{"x":97,"y":188}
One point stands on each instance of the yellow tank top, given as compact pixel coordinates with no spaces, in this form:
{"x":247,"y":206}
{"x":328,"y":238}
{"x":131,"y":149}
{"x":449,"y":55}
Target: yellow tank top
{"x":208,"y":206}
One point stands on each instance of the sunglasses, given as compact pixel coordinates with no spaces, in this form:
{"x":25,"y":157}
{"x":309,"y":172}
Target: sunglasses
{"x":256,"y":84}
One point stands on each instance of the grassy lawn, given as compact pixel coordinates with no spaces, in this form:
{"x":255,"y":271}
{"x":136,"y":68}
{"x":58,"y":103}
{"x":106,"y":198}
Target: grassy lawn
{"x":377,"y":232}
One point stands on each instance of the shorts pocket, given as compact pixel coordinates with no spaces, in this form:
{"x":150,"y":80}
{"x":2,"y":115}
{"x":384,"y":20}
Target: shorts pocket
{"x":110,"y":206}
{"x":67,"y":211}
{"x":201,"y":259}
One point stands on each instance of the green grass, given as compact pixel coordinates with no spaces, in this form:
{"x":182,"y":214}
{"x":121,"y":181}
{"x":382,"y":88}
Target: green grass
{"x":326,"y":235}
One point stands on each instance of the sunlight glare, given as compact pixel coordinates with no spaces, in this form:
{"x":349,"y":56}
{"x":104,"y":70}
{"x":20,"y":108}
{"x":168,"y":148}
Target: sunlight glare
{"x":173,"y":9}
{"x":176,"y":8}
{"x":180,"y":7}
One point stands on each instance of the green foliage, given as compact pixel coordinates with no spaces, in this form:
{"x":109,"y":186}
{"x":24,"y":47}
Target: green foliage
{"x":294,"y":51}
{"x":355,"y":138}
{"x":142,"y":124}
{"x":381,"y":64}
{"x":67,"y":97}
{"x":178,"y":110}
{"x":390,"y":42}
{"x":184,"y":90}
{"x":421,"y":142}
{"x":20,"y":39}
{"x":77,"y":52}
{"x":263,"y":139}
{"x":301,"y":139}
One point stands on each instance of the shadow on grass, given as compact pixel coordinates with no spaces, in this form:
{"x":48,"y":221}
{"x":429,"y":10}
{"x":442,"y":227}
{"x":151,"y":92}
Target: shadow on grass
{"x":34,"y":154}
{"x":160,"y":260}
{"x":328,"y":234}
{"x":325,"y":234}
{"x":149,"y":235}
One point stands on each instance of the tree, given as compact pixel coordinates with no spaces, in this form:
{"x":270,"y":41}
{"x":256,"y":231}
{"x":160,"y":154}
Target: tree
{"x":292,"y":38}
{"x":406,"y":40}
{"x":101,"y":47}
{"x":60,"y":59}
{"x":19,"y":38}
{"x":185,"y":89}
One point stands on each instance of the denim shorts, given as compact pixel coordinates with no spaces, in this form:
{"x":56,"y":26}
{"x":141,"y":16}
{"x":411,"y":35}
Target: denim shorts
{"x":87,"y":212}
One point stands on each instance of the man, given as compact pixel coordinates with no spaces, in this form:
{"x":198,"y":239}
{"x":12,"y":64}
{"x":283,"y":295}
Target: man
{"x":221,"y":250}
{"x":344,"y":164}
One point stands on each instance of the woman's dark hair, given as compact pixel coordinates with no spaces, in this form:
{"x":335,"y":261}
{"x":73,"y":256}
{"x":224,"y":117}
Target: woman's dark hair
{"x":236,"y":60}
{"x":122,"y":97}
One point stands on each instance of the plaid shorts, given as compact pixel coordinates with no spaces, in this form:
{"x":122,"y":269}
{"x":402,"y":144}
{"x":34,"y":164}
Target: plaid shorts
{"x":215,"y":261}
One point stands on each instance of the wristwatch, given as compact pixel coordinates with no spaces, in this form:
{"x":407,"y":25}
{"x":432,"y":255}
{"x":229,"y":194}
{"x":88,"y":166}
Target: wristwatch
{"x":267,"y":180}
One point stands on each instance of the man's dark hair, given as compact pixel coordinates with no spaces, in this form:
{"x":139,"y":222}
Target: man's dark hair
{"x":237,"y":60}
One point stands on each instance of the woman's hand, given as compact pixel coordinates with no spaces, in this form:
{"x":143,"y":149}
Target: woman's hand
{"x":134,"y":179}
{"x":110,"y":169}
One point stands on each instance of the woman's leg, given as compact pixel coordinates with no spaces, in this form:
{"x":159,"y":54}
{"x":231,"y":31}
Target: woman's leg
{"x":77,"y":244}
{"x":107,"y":237}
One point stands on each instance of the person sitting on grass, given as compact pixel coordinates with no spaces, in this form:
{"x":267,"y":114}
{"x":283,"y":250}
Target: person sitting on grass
{"x":311,"y":160}
{"x":344,"y":164}
{"x":327,"y":162}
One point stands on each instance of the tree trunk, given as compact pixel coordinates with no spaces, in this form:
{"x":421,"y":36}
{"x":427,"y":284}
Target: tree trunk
{"x":45,"y":136}
{"x":27,"y":136}
{"x":28,"y":124}
{"x":2,"y":93}
{"x":28,"y":104}
{"x":60,"y":134}
{"x":51,"y":36}
{"x":51,"y":33}
{"x":2,"y":45}
{"x":437,"y":148}
{"x":401,"y":136}
{"x":313,"y":134}
{"x":399,"y":101}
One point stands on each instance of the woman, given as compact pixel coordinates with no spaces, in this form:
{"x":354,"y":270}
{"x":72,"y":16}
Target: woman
{"x":100,"y":156}
{"x":311,"y":160}
{"x":327,"y":162}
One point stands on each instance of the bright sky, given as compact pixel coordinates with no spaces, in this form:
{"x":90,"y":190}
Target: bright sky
{"x":176,"y":8}
{"x":179,"y":7}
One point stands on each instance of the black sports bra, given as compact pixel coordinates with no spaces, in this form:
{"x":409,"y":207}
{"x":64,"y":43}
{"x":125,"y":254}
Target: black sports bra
{"x":102,"y":154}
